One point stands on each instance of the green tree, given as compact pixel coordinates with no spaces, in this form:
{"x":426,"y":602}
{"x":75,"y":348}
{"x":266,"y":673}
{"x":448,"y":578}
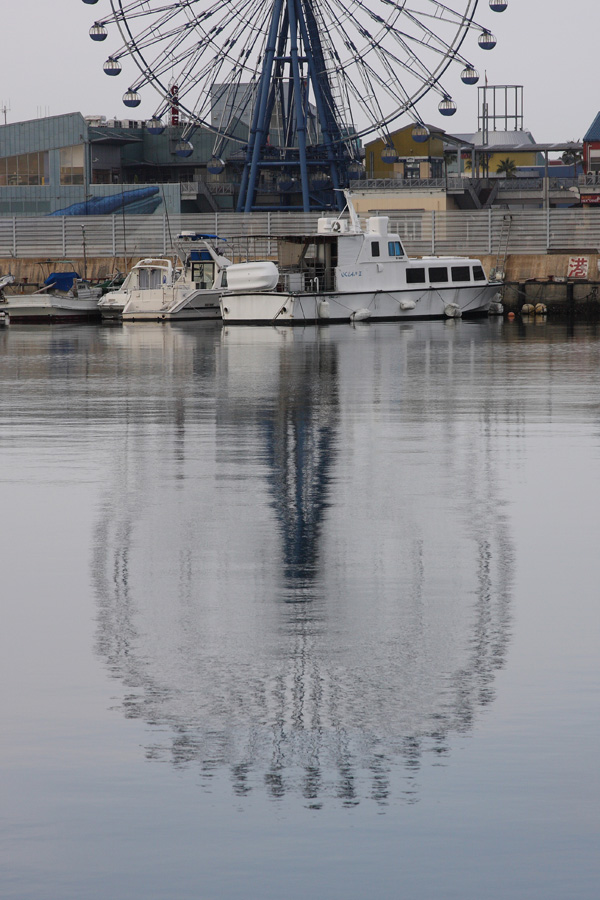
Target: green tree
{"x":572,"y":158}
{"x":506,"y":167}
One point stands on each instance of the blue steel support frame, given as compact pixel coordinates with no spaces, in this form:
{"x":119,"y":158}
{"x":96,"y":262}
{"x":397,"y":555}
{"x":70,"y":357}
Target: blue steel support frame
{"x":326,"y":120}
{"x":293,"y":19}
{"x":259,"y":127}
{"x":299,"y":104}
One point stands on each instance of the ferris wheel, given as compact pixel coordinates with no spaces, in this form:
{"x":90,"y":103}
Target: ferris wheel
{"x":290,"y":87}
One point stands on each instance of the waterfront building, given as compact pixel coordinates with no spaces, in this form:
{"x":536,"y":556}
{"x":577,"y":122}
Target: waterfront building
{"x":591,"y":148}
{"x":73,"y":165}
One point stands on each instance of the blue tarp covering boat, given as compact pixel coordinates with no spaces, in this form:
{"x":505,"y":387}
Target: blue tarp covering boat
{"x":61,"y":281}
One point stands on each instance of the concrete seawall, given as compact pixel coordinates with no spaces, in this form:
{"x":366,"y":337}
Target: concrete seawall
{"x":29,"y":272}
{"x":544,"y":278}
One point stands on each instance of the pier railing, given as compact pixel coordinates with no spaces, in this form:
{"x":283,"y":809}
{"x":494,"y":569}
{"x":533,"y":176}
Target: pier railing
{"x":423,"y":232}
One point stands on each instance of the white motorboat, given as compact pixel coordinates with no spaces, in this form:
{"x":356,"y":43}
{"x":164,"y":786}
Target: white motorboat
{"x":186,"y":287}
{"x":5,"y":280}
{"x":347,"y":272}
{"x":65,"y":297}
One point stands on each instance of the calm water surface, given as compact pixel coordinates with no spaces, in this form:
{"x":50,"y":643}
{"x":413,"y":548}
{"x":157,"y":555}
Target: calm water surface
{"x":300,"y":613}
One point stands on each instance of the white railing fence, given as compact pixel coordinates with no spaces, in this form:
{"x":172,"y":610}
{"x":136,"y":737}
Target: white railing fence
{"x":423,"y":232}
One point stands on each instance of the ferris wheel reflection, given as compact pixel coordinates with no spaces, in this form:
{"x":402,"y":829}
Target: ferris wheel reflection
{"x":277,"y":606}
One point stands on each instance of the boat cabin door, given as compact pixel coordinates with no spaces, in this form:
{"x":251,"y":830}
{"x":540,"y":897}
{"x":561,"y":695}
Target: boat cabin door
{"x":203,"y":274}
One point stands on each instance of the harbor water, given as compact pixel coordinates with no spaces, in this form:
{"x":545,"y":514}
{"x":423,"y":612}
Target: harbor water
{"x":295,"y":613}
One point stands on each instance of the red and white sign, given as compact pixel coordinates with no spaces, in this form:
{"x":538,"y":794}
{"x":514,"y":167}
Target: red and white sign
{"x":590,"y":199}
{"x":174,"y":91}
{"x":578,"y":267}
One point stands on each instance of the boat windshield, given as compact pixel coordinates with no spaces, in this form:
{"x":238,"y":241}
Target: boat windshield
{"x":151,"y":278}
{"x":203,"y":274}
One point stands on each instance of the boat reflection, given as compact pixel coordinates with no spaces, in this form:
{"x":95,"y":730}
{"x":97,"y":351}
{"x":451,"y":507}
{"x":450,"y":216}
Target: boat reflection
{"x":302,"y":563}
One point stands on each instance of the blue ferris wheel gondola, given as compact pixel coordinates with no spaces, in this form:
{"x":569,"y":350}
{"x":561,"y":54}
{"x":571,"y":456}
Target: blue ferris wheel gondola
{"x":447,"y":107}
{"x":389,"y":154}
{"x":184,"y":149}
{"x":98,"y":32}
{"x":215,"y":166}
{"x":469,"y":75}
{"x":131,"y":99}
{"x":155,"y":126}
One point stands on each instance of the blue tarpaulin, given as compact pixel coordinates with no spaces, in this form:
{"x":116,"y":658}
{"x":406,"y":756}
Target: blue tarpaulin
{"x":61,"y":281}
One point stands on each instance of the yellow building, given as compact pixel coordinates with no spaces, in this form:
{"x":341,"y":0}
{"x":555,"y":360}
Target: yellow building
{"x":429,"y":159}
{"x":415,"y":159}
{"x":384,"y":201}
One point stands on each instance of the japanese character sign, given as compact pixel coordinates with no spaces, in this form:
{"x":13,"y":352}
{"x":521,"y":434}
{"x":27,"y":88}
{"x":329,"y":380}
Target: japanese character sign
{"x":578,"y":267}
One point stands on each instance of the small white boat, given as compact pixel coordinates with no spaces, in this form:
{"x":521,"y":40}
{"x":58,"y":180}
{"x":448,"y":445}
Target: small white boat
{"x":346,"y":272}
{"x":5,"y":280}
{"x":187,"y":287}
{"x":65,"y":297}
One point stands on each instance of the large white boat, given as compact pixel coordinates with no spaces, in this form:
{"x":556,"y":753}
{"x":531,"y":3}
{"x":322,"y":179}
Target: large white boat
{"x":185,"y":287}
{"x":65,"y":297}
{"x":349,"y":272}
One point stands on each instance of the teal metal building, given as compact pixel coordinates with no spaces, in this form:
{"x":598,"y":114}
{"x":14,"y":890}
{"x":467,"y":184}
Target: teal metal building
{"x":71,"y":165}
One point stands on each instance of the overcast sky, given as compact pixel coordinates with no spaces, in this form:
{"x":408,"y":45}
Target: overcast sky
{"x":49,"y":65}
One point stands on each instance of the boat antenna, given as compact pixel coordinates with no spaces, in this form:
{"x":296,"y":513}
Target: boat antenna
{"x":352,"y":214}
{"x":84,"y":253}
{"x":124,"y":225}
{"x":162,"y":190}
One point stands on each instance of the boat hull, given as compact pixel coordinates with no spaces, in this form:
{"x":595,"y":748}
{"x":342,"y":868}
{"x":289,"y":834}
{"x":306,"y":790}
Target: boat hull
{"x":168,"y":304}
{"x":304,"y":308}
{"x":34,"y":308}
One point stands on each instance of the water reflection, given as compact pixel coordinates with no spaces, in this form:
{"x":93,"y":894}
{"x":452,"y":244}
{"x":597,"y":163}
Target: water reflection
{"x":353,"y":471}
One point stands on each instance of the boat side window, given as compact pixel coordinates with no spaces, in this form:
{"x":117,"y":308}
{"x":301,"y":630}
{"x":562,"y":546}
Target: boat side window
{"x":478,"y":274}
{"x":375,"y":248}
{"x":438,"y":274}
{"x":395,"y":248}
{"x":415,"y":276}
{"x":149,"y":279}
{"x":461,"y":273}
{"x":203,"y":274}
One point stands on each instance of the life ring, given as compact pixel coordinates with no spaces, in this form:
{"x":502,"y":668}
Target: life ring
{"x":336,"y":226}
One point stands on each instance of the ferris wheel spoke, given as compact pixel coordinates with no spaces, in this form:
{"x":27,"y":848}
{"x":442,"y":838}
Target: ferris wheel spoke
{"x":389,"y":59}
{"x":181,"y":63}
{"x":413,"y":64}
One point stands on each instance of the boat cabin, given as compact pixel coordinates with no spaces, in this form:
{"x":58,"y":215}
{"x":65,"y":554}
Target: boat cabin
{"x":148,"y":275}
{"x":200,"y":260}
{"x":343,"y":257}
{"x":202,"y":269}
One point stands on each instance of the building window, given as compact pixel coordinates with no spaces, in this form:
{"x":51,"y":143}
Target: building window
{"x":461,"y":273}
{"x":438,"y":274}
{"x":594,"y":165}
{"x":415,"y":276}
{"x":28,"y":168}
{"x":71,"y":165}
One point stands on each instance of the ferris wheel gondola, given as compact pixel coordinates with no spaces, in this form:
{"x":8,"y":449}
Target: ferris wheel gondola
{"x":291,"y":87}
